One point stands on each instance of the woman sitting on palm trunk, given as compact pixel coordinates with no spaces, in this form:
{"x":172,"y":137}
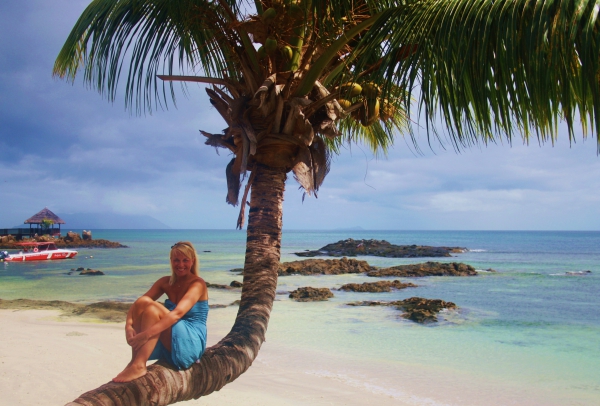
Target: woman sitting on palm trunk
{"x":175,"y":332}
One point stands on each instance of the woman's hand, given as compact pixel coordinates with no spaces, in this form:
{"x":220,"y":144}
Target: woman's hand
{"x":129,"y":334}
{"x":138,"y":340}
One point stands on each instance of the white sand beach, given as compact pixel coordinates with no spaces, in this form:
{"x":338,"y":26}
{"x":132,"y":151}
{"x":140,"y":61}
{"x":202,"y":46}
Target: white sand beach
{"x":49,"y":360}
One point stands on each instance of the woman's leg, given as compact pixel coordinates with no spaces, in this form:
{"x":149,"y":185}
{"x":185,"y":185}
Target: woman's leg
{"x":146,"y":313}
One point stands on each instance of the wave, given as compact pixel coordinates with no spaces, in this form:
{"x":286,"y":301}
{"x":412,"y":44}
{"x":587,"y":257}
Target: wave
{"x":476,"y":250}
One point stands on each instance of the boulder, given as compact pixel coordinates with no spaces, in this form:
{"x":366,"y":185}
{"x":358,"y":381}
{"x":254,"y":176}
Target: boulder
{"x":426,"y":269}
{"x":323,"y":267}
{"x":235,"y":284}
{"x":380,"y":286}
{"x":86,"y":235}
{"x":417,"y":309}
{"x":380,"y":248}
{"x":72,"y":237}
{"x":309,"y":294}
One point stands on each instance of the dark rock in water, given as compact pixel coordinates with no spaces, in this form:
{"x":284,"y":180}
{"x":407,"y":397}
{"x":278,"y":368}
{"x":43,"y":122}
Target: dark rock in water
{"x":90,"y":272}
{"x":238,"y":270}
{"x":235,"y":303}
{"x":206,"y":251}
{"x":423,"y":310}
{"x":324,"y":267}
{"x":426,"y":269}
{"x":236,"y":284}
{"x":578,"y":273}
{"x":217,"y":286}
{"x":417,"y":309}
{"x":381,"y":286}
{"x":217,"y":306}
{"x":491,"y":270}
{"x":309,"y":294}
{"x":380,"y":248}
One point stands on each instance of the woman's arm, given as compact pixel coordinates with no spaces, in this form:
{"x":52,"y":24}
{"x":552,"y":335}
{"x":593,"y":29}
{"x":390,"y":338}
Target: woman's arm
{"x":190,"y":298}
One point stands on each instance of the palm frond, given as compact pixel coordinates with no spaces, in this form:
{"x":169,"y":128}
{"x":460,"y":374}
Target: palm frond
{"x":153,"y":36}
{"x":490,"y":67}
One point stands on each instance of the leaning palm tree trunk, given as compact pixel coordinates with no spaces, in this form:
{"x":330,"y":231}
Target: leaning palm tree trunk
{"x":234,"y":354}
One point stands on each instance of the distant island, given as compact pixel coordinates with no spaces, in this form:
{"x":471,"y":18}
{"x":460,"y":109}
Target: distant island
{"x":97,"y":221}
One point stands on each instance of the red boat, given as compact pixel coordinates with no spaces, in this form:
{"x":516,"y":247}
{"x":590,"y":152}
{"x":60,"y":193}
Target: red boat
{"x":38,"y":251}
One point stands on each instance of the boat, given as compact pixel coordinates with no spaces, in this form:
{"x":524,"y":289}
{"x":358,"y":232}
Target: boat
{"x":37,"y":251}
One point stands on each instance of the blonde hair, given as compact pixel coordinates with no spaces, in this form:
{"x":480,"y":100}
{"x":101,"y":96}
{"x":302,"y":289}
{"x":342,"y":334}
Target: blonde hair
{"x":187,"y":249}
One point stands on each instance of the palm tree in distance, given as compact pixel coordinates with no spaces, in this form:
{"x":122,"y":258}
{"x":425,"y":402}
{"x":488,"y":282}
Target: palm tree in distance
{"x":295,"y":79}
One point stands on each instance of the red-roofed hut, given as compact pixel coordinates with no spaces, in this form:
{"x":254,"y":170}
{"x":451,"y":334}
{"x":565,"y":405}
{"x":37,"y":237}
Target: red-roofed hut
{"x":45,"y":221}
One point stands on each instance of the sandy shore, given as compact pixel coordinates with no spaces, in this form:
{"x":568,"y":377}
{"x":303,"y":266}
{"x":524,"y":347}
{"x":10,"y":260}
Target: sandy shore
{"x":49,"y":359}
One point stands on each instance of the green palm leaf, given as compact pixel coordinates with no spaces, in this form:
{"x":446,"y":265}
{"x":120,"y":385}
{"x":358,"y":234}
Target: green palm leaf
{"x":154,"y":36}
{"x":495,"y":67}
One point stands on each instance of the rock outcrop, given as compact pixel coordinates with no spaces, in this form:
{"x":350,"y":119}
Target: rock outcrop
{"x":217,"y":286}
{"x":323,"y":267}
{"x":81,"y":243}
{"x":426,"y":269}
{"x":236,"y":284}
{"x":64,"y":243}
{"x":309,"y":294}
{"x":380,"y":286}
{"x":417,"y":309}
{"x":380,"y":248}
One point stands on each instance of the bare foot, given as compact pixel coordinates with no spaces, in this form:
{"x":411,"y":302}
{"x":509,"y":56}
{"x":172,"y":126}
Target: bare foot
{"x":130,"y":373}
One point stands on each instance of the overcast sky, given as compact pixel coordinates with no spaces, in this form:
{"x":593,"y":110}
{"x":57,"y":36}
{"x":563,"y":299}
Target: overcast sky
{"x":64,"y":147}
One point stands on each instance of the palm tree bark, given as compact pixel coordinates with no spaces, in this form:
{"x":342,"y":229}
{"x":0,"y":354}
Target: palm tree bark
{"x":234,"y":354}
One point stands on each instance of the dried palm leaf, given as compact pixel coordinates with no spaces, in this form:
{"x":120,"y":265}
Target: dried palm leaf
{"x":233,"y":184}
{"x":303,"y":170}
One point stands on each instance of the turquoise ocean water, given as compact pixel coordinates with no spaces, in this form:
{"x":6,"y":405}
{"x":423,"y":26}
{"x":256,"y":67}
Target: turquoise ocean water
{"x":529,"y":329}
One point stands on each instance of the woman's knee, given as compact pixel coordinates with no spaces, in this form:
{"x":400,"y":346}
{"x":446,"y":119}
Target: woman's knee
{"x":143,"y":301}
{"x":156,"y":309}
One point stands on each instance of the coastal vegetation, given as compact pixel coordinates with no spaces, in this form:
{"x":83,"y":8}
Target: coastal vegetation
{"x":294,"y":80}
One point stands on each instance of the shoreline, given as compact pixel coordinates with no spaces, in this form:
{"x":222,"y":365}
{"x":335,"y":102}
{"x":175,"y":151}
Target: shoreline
{"x":65,"y":356}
